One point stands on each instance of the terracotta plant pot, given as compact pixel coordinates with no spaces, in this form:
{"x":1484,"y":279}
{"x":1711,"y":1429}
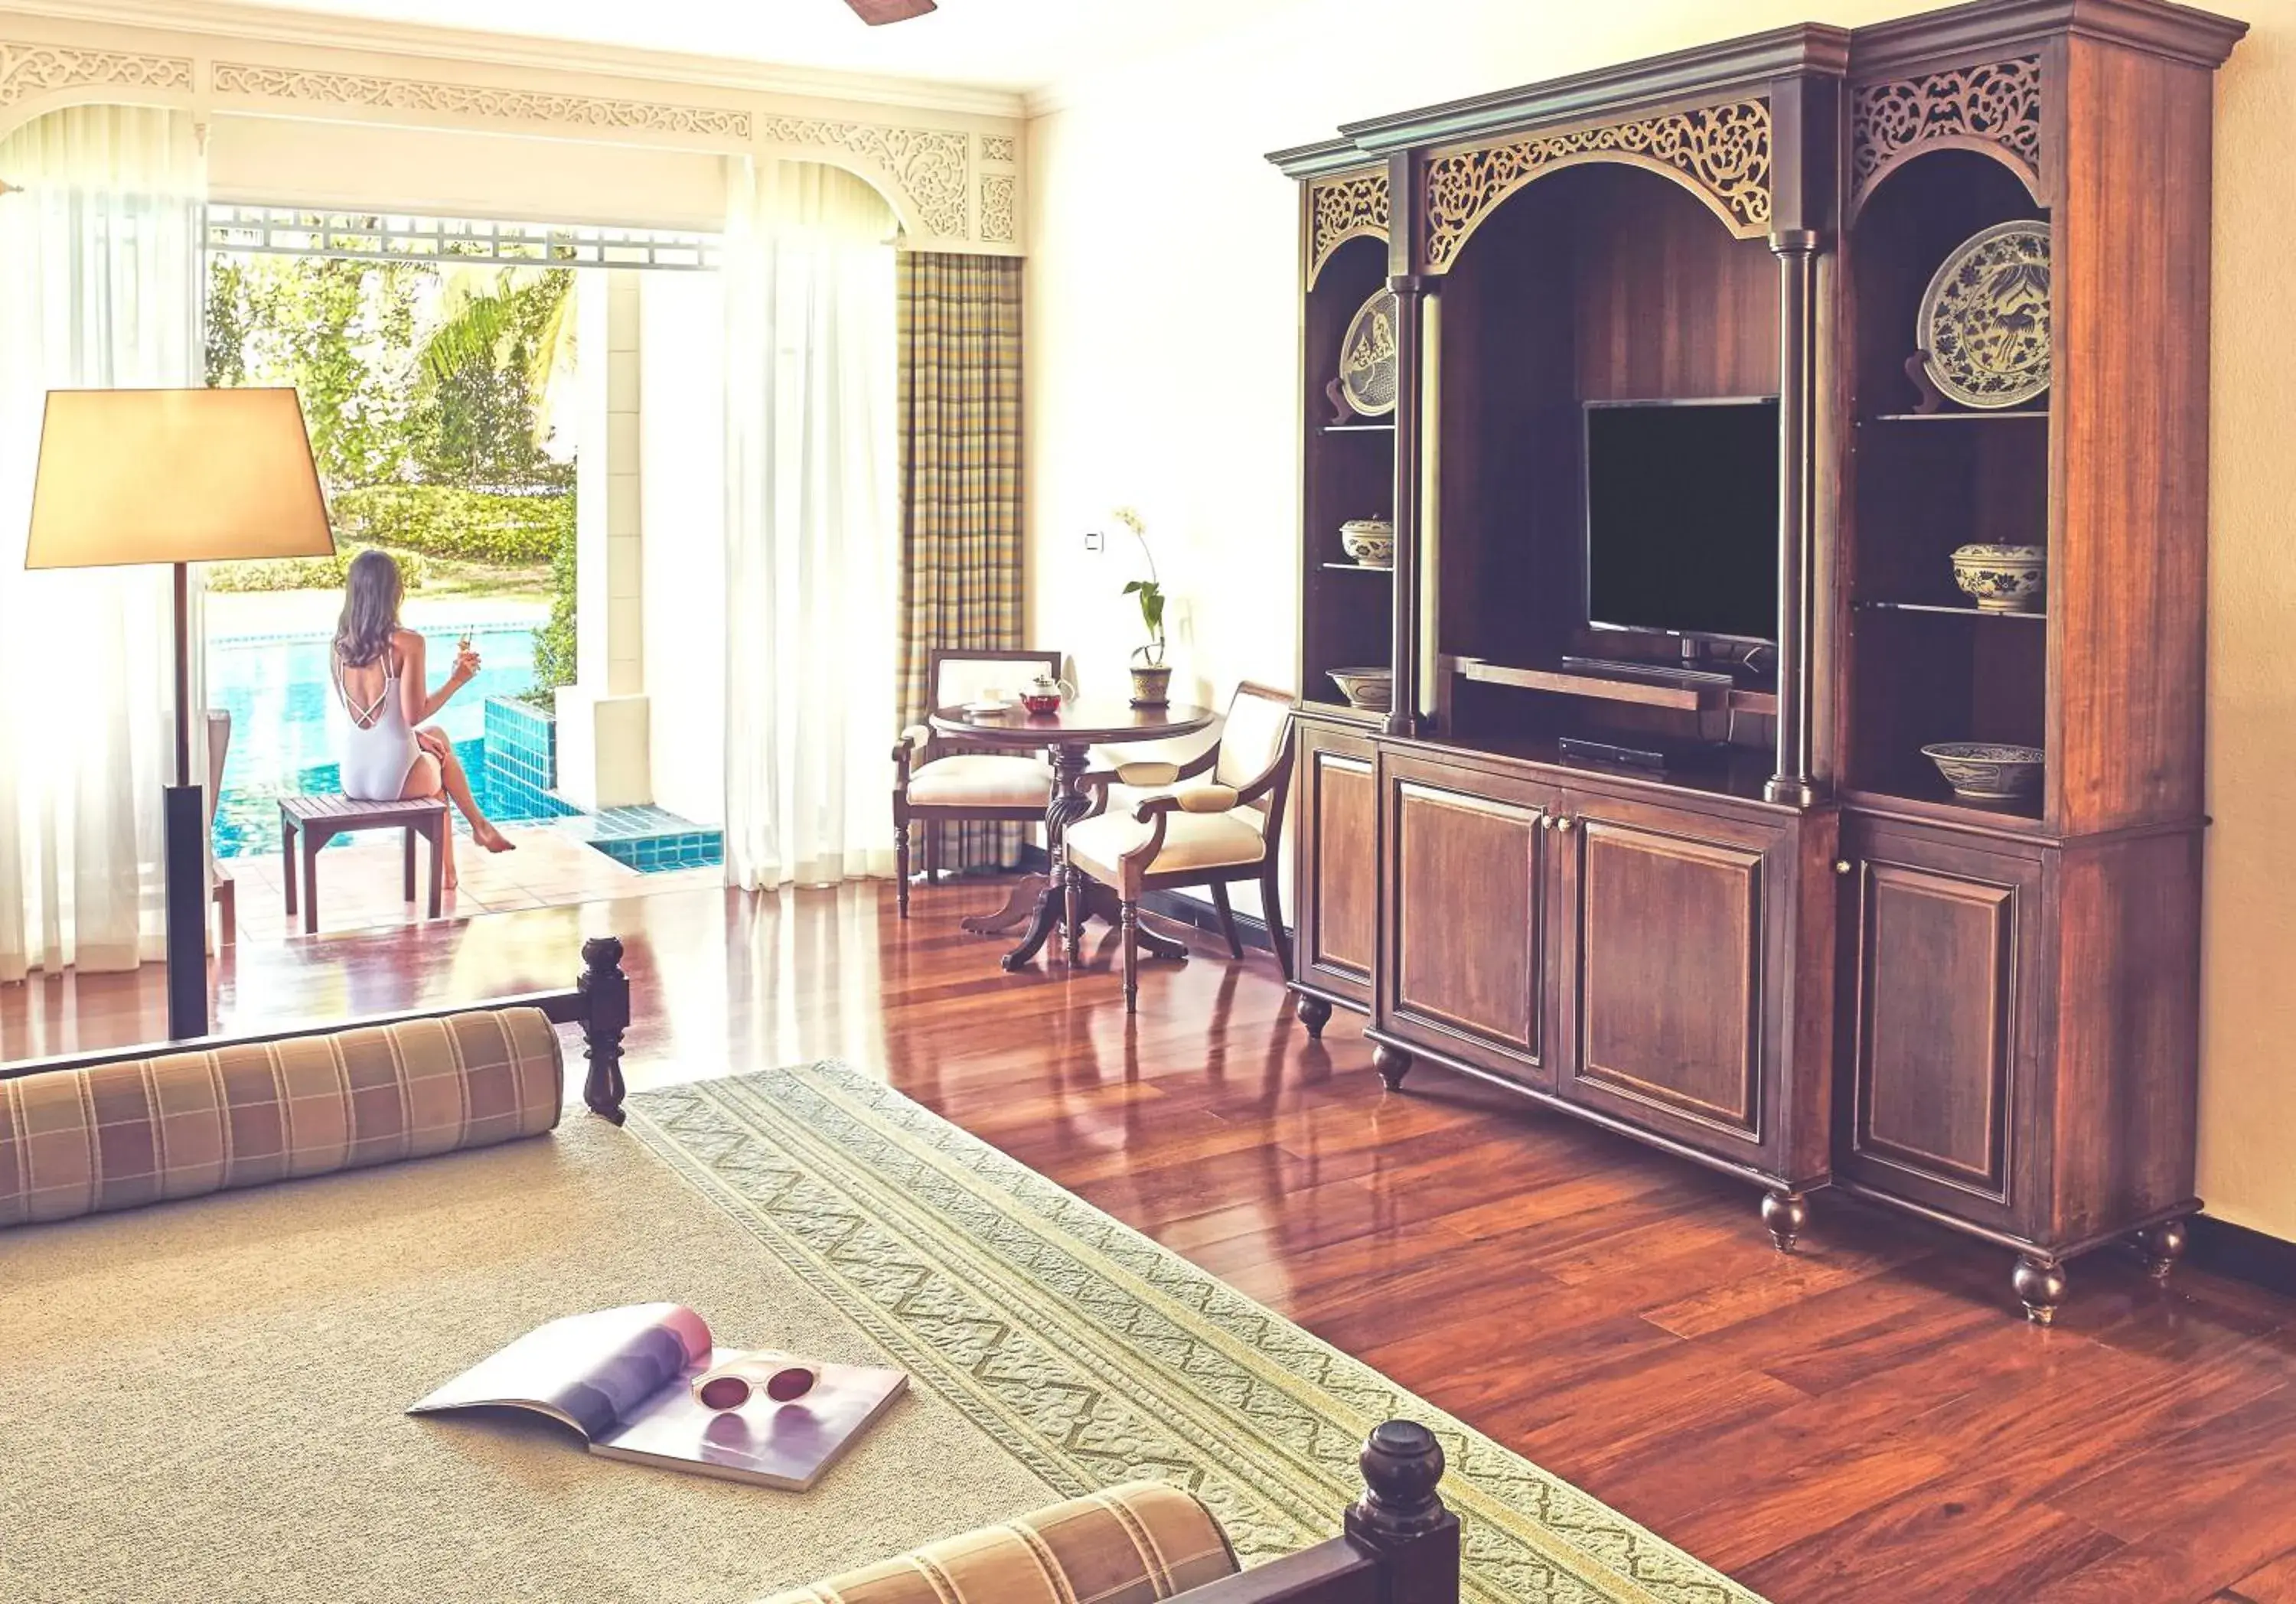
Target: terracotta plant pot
{"x":1151,"y":687}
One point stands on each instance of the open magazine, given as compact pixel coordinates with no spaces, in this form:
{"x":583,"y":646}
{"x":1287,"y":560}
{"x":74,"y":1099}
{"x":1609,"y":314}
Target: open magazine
{"x":645,"y":1382}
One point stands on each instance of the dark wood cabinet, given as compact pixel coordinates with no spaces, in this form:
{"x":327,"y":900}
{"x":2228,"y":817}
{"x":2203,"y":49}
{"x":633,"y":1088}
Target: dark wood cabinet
{"x":1766,"y":933}
{"x":1941,"y":970}
{"x":1336,"y":891}
{"x":1466,"y":970}
{"x":1666,"y":972}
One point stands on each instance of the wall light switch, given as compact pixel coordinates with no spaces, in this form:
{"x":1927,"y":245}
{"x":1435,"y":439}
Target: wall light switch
{"x":1094,"y":540}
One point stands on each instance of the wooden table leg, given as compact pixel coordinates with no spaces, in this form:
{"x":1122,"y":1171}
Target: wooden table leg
{"x":409,"y":855}
{"x":1071,"y":802}
{"x":312,"y":841}
{"x":287,"y":853}
{"x":437,"y":861}
{"x":1012,"y":915}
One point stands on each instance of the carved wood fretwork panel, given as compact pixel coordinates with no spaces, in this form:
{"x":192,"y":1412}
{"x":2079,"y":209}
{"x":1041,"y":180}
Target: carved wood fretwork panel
{"x":998,"y":224}
{"x":478,"y":100}
{"x":29,"y":70}
{"x":932,"y":166}
{"x":1995,"y":106}
{"x":1342,"y":209}
{"x":1721,"y":153}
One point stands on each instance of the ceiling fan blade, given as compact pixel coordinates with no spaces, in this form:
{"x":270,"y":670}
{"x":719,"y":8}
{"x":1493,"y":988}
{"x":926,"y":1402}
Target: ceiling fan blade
{"x":876,"y":13}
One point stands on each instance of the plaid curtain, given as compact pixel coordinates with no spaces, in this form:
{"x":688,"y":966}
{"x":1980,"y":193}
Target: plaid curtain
{"x":959,"y":400}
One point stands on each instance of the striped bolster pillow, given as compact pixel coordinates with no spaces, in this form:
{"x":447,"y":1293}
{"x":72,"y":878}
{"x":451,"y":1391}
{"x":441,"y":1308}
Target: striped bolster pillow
{"x":75,"y":1141}
{"x":1140,"y":1542}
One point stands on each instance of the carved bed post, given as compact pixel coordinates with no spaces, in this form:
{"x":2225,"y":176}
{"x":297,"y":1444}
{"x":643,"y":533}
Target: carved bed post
{"x":606,"y":993}
{"x":1401,"y":1517}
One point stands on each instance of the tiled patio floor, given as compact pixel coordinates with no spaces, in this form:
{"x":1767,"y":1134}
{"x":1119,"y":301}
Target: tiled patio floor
{"x":359,"y":884}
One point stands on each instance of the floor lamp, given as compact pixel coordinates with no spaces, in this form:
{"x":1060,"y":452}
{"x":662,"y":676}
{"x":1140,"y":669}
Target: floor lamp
{"x":177,"y":476}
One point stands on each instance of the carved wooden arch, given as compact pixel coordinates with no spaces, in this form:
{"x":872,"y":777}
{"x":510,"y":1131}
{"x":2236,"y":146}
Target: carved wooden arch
{"x":38,"y":79}
{"x":1993,"y":107}
{"x":1353,"y":207}
{"x":1719,"y":153}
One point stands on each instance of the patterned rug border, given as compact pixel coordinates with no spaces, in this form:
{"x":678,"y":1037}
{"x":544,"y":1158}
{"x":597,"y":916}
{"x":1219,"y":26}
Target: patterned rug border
{"x":802,"y":1157}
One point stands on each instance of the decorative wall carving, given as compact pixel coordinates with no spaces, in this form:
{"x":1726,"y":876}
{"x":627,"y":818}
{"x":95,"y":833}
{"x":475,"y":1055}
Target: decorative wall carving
{"x":476,"y":100}
{"x":1722,"y":153}
{"x":1997,"y":103}
{"x":931,"y":165}
{"x":1340,"y":209}
{"x":996,"y":147}
{"x":29,"y":70}
{"x":998,"y":227}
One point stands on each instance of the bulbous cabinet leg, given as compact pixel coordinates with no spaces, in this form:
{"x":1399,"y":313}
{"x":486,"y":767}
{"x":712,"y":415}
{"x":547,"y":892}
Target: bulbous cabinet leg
{"x":1392,"y":1063}
{"x":2040,"y":1286}
{"x":1315,"y":1013}
{"x":2162,"y":1245}
{"x":1785,"y":1212}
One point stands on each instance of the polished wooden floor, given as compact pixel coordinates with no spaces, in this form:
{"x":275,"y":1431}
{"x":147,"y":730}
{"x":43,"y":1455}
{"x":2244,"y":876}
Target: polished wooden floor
{"x":1864,"y":1421}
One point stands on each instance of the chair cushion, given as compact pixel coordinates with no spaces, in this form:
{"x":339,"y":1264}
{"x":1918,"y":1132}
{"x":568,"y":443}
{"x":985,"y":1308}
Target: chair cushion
{"x":1129,"y":1545}
{"x":75,"y":1141}
{"x":1252,"y":739}
{"x":982,"y":779}
{"x":1218,"y":841}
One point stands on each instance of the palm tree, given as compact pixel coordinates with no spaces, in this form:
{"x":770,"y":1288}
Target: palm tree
{"x":484,"y":315}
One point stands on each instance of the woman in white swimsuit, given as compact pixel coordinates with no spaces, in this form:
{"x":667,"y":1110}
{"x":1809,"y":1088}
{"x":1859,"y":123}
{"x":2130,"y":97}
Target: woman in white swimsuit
{"x":388,"y":753}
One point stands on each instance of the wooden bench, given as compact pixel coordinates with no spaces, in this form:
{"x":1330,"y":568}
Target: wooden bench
{"x":319,"y":820}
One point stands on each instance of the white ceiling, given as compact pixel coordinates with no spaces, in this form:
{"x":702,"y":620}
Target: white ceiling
{"x":1013,"y":45}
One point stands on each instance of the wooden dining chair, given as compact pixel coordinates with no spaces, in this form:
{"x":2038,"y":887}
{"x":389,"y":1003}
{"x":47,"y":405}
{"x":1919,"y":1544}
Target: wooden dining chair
{"x":942,"y":780}
{"x":1211,"y":822}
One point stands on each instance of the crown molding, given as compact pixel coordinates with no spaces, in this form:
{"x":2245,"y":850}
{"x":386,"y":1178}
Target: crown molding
{"x":223,"y":18}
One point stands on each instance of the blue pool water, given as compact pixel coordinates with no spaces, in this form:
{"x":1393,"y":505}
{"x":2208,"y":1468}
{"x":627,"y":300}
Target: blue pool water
{"x":285,"y":721}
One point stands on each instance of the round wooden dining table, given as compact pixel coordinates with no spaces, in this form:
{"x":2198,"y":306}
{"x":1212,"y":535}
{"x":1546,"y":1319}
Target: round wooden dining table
{"x":1066,"y":737}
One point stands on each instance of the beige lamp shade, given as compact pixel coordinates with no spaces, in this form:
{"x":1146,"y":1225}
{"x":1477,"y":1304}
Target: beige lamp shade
{"x":175,"y":476}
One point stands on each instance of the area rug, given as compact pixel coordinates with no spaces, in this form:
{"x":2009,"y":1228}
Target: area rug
{"x":1090,"y":1355}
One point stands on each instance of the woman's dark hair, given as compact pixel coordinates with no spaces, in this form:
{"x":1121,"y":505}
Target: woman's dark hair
{"x":370,"y":594}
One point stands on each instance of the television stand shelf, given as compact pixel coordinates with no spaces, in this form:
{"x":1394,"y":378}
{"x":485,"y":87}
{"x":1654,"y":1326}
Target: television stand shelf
{"x":1656,"y":687}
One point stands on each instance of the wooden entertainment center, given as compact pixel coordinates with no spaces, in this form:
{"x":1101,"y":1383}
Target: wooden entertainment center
{"x":1790,"y":952}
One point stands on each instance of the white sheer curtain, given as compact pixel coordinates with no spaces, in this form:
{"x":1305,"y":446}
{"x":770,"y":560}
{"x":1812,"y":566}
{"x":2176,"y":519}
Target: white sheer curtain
{"x":810,"y":531}
{"x":99,"y":287}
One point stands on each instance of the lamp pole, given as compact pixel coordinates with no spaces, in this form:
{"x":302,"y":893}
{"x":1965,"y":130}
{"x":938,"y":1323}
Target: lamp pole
{"x":184,"y":818}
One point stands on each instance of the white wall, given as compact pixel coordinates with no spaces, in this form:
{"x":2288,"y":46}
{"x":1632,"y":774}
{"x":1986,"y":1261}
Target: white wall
{"x":681,"y":450}
{"x":1162,"y":349}
{"x":272,"y":161}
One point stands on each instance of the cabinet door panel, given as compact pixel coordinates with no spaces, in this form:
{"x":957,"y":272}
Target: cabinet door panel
{"x":1468,"y":962}
{"x":1937,"y":1037}
{"x":1338,"y":863}
{"x":1669,"y":974}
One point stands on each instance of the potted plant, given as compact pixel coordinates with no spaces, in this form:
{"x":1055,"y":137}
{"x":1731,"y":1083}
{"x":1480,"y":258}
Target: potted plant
{"x":1152,"y":676}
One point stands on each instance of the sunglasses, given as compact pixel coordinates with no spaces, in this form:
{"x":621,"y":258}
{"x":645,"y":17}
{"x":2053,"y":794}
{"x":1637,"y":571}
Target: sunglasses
{"x":732,"y":1383}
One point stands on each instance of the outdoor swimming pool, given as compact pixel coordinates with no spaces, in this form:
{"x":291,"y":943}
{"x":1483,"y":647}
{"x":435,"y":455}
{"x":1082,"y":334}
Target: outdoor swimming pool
{"x":285,"y":719}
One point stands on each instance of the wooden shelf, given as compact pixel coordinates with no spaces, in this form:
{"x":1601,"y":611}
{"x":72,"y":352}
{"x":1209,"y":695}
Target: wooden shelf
{"x":1958,"y":417}
{"x":1359,"y":567}
{"x":1357,"y":428}
{"x":1653,"y":692}
{"x":1936,"y":800}
{"x":1933,"y":607}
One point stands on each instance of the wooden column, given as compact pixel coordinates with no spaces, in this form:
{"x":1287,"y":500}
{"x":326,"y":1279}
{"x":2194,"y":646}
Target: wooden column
{"x":1797,"y":254}
{"x":1410,"y":288}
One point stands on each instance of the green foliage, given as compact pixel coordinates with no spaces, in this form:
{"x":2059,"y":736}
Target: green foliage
{"x":553,"y":642}
{"x":405,"y":375}
{"x":1152,"y":615}
{"x":486,"y":370}
{"x":303,"y":573}
{"x":443,"y":520}
{"x":342,"y":333}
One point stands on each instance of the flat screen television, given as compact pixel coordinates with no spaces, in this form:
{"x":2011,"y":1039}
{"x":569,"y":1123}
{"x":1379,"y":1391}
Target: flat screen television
{"x":1682,"y":517}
